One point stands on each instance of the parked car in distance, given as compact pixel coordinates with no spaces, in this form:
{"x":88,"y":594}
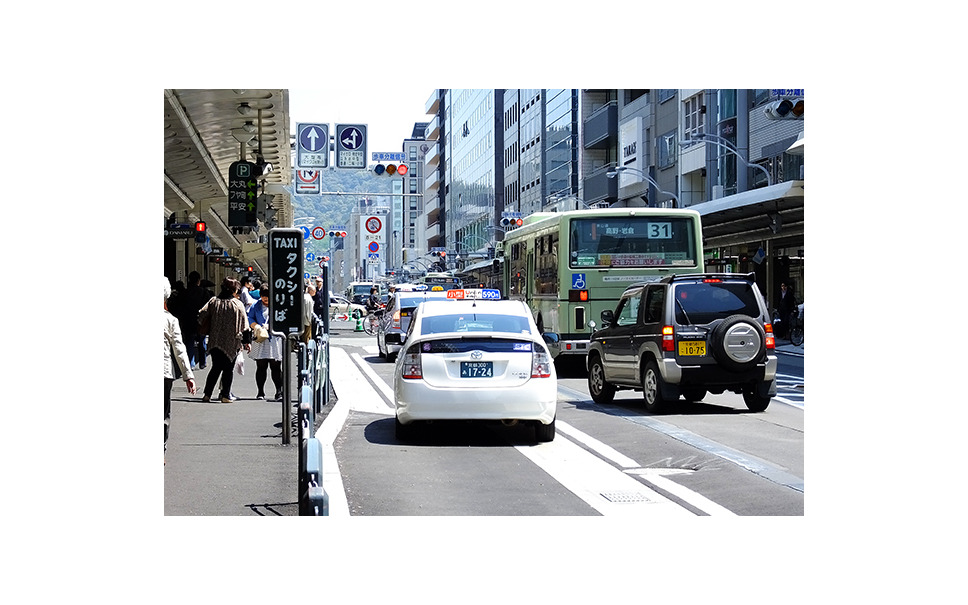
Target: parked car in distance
{"x":476,"y":360}
{"x":686,"y":335}
{"x":339,"y":305}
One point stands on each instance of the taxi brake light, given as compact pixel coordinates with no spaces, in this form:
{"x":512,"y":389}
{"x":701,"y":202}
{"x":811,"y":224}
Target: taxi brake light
{"x":668,"y":338}
{"x":412,"y":368}
{"x":540,"y":365}
{"x":396,"y":319}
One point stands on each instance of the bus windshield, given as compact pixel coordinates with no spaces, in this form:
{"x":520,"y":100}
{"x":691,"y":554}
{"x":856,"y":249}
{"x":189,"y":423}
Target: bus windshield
{"x":632,"y":241}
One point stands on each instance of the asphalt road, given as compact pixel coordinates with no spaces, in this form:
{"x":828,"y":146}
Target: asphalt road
{"x":709,"y":458}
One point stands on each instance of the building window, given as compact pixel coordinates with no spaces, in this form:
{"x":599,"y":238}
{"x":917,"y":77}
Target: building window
{"x":694,"y":115}
{"x":666,"y":93}
{"x":413,"y":154}
{"x":667,"y":149}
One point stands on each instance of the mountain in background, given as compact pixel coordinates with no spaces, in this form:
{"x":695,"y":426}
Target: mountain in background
{"x":334,"y":210}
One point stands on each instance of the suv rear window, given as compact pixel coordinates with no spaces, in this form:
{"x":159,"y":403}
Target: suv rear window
{"x":701,"y":303}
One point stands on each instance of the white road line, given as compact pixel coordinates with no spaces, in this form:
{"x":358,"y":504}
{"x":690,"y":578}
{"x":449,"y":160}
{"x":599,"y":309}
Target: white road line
{"x":384,"y":388}
{"x":655,"y":476}
{"x":353,"y":392}
{"x":602,"y":486}
{"x":605,"y":488}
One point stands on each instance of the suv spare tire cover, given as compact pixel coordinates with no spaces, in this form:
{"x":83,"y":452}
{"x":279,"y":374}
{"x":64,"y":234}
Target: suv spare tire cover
{"x":738,"y":342}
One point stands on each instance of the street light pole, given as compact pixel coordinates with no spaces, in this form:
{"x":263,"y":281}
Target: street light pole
{"x":614,"y":172}
{"x":724,"y":143}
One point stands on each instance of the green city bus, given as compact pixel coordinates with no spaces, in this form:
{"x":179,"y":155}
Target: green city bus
{"x":570,"y":266}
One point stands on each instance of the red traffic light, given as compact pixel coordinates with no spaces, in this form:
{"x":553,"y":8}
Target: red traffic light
{"x":402,"y":169}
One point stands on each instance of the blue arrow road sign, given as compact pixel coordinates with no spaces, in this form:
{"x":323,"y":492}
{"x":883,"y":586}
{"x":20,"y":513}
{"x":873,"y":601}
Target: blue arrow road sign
{"x":312,"y":137}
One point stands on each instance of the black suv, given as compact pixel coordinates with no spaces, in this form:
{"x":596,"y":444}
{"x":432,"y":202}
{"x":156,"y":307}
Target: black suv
{"x":686,"y":335}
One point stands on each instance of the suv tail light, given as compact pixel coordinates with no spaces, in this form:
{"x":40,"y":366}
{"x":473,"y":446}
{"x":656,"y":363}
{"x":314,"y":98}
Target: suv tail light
{"x":770,"y":340}
{"x":540,"y":365}
{"x":668,"y":338}
{"x":412,"y":368}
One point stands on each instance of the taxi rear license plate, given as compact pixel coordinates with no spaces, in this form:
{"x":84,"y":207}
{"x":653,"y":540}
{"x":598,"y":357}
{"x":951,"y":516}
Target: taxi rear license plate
{"x":692,"y":347}
{"x":477,"y":369}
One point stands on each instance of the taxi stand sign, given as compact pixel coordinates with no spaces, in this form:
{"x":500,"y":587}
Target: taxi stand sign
{"x":285,"y":280}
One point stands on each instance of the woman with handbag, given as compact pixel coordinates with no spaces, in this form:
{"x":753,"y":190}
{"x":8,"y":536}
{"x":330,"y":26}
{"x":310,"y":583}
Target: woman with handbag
{"x":176,"y":358}
{"x":228,"y":334}
{"x":268,"y":347}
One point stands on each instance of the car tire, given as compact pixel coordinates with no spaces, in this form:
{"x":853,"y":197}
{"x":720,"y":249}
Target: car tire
{"x":754,"y":401}
{"x":738,"y":343}
{"x":601,"y":390}
{"x":652,"y":385}
{"x":543,"y":433}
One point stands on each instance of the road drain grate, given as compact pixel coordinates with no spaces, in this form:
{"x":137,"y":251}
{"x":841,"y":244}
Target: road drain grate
{"x":626,"y":497}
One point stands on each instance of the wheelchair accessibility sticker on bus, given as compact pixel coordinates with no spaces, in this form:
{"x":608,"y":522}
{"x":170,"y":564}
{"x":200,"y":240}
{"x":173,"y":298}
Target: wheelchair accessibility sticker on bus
{"x":577,"y":281}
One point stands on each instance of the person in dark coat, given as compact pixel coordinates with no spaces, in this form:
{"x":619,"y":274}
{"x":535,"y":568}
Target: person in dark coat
{"x":194,"y":297}
{"x":785,"y":308}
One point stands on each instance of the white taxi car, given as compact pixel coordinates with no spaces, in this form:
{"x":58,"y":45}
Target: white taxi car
{"x":476,"y":358}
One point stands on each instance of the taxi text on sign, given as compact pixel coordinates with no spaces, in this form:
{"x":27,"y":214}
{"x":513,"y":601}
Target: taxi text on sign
{"x":285,"y":280}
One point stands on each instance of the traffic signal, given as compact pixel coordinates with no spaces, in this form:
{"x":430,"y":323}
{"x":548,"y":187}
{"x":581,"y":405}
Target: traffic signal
{"x":390,"y":169}
{"x":337,"y":234}
{"x":200,"y":232}
{"x":784,"y":109}
{"x":439,"y":253}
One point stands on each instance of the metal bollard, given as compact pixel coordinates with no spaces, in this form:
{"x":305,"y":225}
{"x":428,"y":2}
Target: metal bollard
{"x":311,"y":501}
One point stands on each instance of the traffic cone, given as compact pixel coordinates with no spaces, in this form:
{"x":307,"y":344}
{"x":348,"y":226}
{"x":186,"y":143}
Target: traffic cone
{"x":359,"y":324}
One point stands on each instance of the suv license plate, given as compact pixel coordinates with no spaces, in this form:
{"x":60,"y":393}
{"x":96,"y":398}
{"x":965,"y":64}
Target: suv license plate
{"x":477,"y":369}
{"x":692,"y":347}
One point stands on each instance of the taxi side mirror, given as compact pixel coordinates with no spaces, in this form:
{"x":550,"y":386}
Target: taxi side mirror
{"x":553,"y":342}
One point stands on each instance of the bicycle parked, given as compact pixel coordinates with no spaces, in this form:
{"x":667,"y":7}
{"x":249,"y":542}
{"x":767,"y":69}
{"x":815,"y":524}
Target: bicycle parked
{"x":796,"y":327}
{"x":793,"y":332}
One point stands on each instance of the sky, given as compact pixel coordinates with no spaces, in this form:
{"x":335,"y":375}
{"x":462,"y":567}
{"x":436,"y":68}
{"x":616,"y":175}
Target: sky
{"x":388,"y":112}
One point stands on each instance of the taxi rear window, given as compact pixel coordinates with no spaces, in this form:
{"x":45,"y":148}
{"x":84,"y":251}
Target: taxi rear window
{"x":474,"y":322}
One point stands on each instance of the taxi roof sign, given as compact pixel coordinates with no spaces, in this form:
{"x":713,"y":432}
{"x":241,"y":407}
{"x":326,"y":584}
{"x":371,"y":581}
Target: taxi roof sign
{"x":475,"y":294}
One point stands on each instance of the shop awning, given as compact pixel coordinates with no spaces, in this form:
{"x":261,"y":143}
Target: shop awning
{"x":774,"y":213}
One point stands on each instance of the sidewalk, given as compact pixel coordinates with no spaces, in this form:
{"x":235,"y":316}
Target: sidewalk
{"x":784,"y":346}
{"x":228,"y":458}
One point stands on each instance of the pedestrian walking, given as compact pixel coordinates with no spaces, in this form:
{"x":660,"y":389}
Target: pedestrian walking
{"x":228,"y":334}
{"x":245,"y":294}
{"x":268,"y":353}
{"x":176,"y":351}
{"x":320,"y":299}
{"x":194,"y":297}
{"x":785,"y":309}
{"x":308,"y":312}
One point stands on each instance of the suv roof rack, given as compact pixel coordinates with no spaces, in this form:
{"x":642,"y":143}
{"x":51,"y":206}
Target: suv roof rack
{"x":688,"y":276}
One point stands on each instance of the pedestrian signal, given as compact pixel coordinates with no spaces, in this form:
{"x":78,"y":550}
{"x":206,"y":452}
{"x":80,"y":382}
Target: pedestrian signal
{"x":784,"y":109}
{"x":390,"y":169}
{"x":200,"y":232}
